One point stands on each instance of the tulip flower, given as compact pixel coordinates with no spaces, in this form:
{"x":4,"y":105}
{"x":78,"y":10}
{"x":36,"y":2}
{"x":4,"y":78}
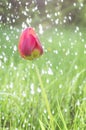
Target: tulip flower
{"x":29,"y":45}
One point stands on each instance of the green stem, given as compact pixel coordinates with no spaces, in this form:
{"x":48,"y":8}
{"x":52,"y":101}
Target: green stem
{"x":45,"y":99}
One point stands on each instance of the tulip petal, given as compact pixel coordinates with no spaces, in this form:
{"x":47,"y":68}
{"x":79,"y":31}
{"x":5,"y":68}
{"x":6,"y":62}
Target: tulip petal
{"x":29,"y":45}
{"x":39,"y":47}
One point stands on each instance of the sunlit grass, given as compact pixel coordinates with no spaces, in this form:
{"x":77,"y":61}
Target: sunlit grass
{"x":48,"y":93}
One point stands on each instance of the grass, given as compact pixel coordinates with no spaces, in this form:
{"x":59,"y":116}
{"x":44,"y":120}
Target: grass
{"x":48,"y":93}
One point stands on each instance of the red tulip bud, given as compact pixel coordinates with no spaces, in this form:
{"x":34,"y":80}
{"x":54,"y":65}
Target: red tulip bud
{"x":29,"y":45}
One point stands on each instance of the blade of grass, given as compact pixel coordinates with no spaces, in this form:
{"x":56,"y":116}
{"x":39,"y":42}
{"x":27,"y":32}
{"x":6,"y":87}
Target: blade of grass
{"x":77,"y":76}
{"x":41,"y":124}
{"x":61,"y":116}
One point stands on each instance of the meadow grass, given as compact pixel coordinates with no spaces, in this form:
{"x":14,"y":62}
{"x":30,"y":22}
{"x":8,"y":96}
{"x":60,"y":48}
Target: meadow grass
{"x":48,"y":93}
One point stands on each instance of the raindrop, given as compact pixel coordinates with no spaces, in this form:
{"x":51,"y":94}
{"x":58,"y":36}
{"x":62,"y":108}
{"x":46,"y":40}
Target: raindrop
{"x":81,"y":4}
{"x":70,"y":18}
{"x":0,"y":18}
{"x":45,"y":2}
{"x":84,"y":52}
{"x":67,"y":52}
{"x":43,"y":71}
{"x":19,"y":2}
{"x":85,"y":45}
{"x":76,"y":53}
{"x":15,"y":48}
{"x":40,"y":29}
{"x":65,"y":110}
{"x":12,"y":64}
{"x":74,"y":4}
{"x":29,"y":116}
{"x":76,"y":67}
{"x":80,"y":34}
{"x":7,"y":38}
{"x":23,"y":78}
{"x":23,"y":94}
{"x":24,"y":25}
{"x":53,"y":112}
{"x":60,"y":85}
{"x":76,"y":29}
{"x":0,"y":63}
{"x":56,"y":14}
{"x":23,"y":126}
{"x":50,"y":72}
{"x":33,"y":127}
{"x":84,"y":99}
{"x":47,"y":81}
{"x":62,"y":0}
{"x":2,"y":67}
{"x":61,"y":33}
{"x":24,"y":12}
{"x":5,"y":46}
{"x":48,"y":16}
{"x":78,"y":103}
{"x":13,"y":20}
{"x":57,"y":21}
{"x":45,"y":111}
{"x":55,"y":51}
{"x":3,"y":117}
{"x":8,"y":18}
{"x":14,"y":93}
{"x":11,"y":85}
{"x":32,"y":89}
{"x":60,"y":44}
{"x":28,"y":21}
{"x":59,"y":13}
{"x":38,"y":90}
{"x":50,"y":40}
{"x":11,"y":27}
{"x":16,"y":128}
{"x":82,"y":40}
{"x":61,"y":72}
{"x":64,"y":21}
{"x":48,"y":117}
{"x":29,"y":124}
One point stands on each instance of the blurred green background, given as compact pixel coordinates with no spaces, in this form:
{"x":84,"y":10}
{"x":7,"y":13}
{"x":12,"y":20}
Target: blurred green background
{"x":48,"y":93}
{"x":51,"y":12}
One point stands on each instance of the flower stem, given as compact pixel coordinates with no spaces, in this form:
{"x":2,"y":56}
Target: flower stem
{"x":44,"y":95}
